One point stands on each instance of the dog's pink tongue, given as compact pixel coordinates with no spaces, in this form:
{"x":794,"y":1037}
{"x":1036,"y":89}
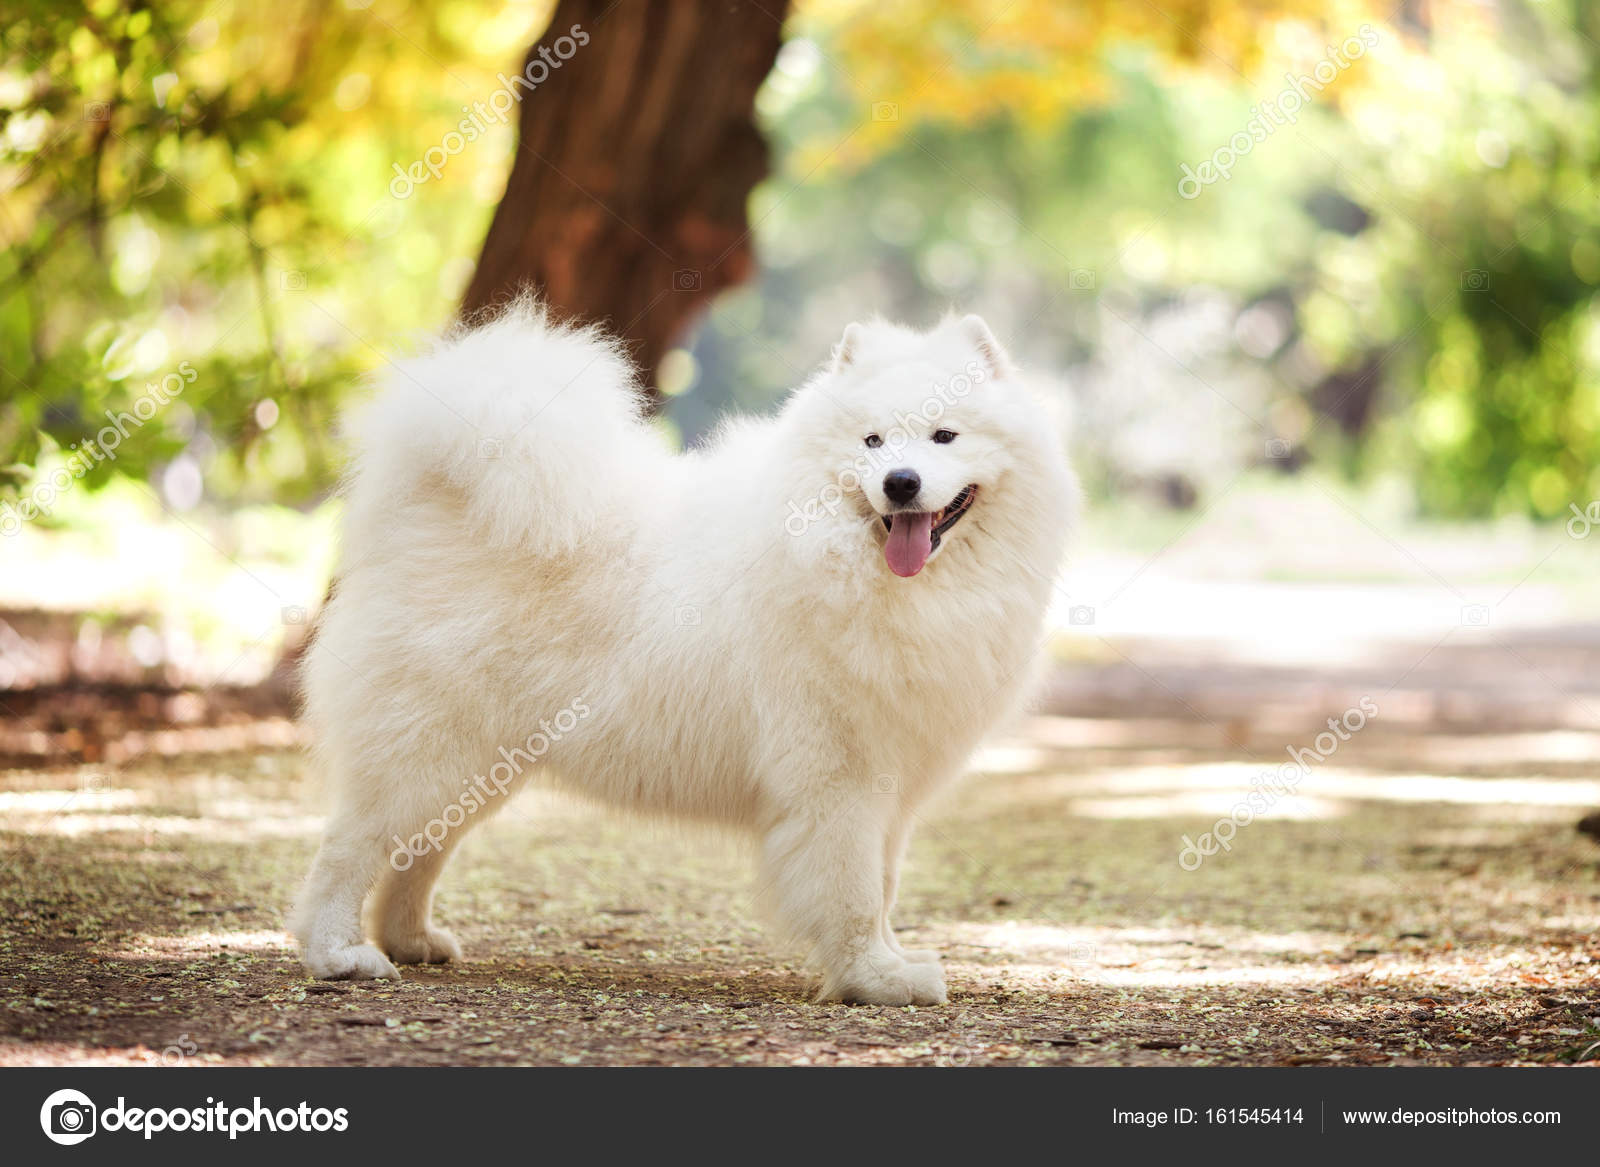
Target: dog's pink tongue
{"x":910,"y":542}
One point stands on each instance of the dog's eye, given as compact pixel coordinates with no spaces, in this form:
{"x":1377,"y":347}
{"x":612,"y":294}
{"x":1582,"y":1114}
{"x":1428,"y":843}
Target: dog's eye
{"x":944,"y":437}
{"x":873,"y":441}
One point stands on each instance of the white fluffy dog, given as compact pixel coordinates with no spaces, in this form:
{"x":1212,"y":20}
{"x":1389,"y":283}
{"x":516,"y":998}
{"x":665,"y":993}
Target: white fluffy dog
{"x":801,"y":631}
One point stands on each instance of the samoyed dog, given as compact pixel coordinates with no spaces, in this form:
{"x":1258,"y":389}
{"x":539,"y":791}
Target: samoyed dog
{"x":800,"y":631}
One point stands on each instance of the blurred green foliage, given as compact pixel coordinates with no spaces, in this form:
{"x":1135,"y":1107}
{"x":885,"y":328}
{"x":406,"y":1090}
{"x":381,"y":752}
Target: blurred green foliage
{"x":209,"y":183}
{"x":1424,"y":240}
{"x":206,"y":184}
{"x":1481,"y":268}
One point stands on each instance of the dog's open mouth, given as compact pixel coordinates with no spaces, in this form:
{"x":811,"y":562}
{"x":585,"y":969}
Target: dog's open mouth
{"x":914,"y":535}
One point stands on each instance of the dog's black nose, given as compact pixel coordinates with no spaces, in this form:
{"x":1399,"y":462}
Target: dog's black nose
{"x":902,"y":485}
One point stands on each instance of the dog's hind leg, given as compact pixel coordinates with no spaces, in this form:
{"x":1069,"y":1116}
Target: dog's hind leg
{"x":401,"y":914}
{"x":327,"y":919}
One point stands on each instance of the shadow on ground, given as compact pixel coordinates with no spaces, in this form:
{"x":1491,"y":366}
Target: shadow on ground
{"x":1419,"y":897}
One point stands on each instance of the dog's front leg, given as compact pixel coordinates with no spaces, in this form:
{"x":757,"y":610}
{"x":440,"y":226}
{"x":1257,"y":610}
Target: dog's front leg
{"x":894,"y":854}
{"x":824,"y":875}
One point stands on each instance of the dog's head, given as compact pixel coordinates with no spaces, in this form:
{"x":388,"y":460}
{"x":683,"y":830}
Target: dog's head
{"x":931,"y":439}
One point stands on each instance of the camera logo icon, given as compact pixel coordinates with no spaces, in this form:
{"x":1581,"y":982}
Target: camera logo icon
{"x":1082,"y":279}
{"x":885,"y":111}
{"x":68,"y":1117}
{"x":1080,"y":614}
{"x":1475,"y":280}
{"x":686,"y":280}
{"x":1475,"y":616}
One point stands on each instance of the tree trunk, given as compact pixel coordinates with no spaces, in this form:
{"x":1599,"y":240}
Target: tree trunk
{"x":636,"y":157}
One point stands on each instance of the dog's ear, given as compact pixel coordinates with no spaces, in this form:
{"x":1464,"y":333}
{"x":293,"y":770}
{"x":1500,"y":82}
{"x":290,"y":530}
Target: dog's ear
{"x":848,"y":348}
{"x":994,"y":356}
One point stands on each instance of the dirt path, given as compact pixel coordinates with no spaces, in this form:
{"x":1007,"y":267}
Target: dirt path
{"x":1417,"y":899}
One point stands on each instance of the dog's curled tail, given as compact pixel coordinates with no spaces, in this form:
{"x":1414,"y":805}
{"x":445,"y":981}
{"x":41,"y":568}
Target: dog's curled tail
{"x":533,"y":427}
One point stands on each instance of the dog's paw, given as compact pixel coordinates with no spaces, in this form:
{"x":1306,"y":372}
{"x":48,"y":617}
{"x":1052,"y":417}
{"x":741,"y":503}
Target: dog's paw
{"x":358,"y":962}
{"x":429,"y":946}
{"x":908,"y":984}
